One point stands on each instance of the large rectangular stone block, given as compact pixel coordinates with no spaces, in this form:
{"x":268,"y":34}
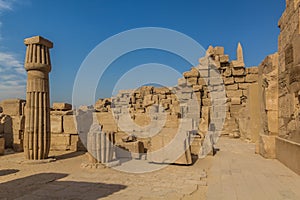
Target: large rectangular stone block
{"x":61,"y":106}
{"x":234,"y":93}
{"x":69,"y":125}
{"x":238,"y":71}
{"x":231,"y":87}
{"x":13,"y":107}
{"x":288,"y":153}
{"x":229,"y":80}
{"x":272,"y":121}
{"x":56,"y":122}
{"x":60,"y":142}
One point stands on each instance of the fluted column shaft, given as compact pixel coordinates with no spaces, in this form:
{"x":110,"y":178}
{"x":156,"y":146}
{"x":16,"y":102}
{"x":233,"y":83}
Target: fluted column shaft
{"x":37,"y":116}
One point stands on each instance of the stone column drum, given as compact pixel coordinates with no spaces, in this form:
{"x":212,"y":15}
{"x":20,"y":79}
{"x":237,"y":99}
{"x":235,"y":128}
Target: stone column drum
{"x":37,"y":113}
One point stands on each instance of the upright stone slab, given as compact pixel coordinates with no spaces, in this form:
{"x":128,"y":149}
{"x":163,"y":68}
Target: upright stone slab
{"x":37,"y":122}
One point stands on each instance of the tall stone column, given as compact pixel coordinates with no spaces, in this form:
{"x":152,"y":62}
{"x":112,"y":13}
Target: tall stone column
{"x":37,"y":114}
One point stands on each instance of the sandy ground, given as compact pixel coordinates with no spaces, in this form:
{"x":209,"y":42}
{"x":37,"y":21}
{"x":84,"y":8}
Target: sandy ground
{"x":235,"y":172}
{"x":66,"y":178}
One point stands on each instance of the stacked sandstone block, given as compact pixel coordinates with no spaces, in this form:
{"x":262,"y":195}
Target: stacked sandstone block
{"x":64,"y":134}
{"x":145,"y":106}
{"x":12,"y":121}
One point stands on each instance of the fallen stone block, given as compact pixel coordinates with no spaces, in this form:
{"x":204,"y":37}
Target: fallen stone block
{"x":61,"y":106}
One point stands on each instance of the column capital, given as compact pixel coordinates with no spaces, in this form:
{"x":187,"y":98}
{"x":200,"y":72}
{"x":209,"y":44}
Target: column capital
{"x":38,"y":40}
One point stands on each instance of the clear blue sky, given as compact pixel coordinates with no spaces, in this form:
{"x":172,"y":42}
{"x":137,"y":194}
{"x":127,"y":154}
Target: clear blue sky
{"x":76,"y":27}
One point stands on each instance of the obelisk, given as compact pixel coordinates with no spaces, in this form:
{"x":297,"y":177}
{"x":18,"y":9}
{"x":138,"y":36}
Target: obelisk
{"x":37,"y":114}
{"x":239,"y":52}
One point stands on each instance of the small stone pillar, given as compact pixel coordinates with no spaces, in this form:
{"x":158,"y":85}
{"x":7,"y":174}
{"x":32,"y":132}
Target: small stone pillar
{"x":37,"y":113}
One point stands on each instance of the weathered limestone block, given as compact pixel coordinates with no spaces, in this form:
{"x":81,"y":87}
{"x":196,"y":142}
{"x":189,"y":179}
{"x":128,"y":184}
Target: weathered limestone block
{"x":288,"y":153}
{"x":181,"y":82}
{"x":252,"y":70}
{"x":56,"y":123}
{"x":130,"y":149}
{"x":197,"y":88}
{"x":224,"y":58}
{"x":203,"y":81}
{"x":192,"y":81}
{"x":231,"y":87}
{"x":215,"y":81}
{"x":244,"y":86}
{"x":160,"y":152}
{"x":235,"y":101}
{"x":192,"y":73}
{"x":254,"y":106}
{"x":61,"y":106}
{"x":218,"y":51}
{"x":13,"y":107}
{"x":234,"y":110}
{"x":60,"y":142}
{"x":204,"y":73}
{"x":244,"y":123}
{"x":69,"y":124}
{"x":267,"y":146}
{"x":250,"y":78}
{"x":238,"y":71}
{"x":228,"y":72}
{"x":18,"y":127}
{"x":239,"y":79}
{"x":234,"y":93}
{"x":272,"y":121}
{"x":271,"y":98}
{"x":237,"y":64}
{"x":107,"y":121}
{"x":229,"y":80}
{"x":206,"y":102}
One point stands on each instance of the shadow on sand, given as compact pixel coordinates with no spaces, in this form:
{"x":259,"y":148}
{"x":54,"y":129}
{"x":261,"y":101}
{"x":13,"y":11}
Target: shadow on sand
{"x":47,"y":186}
{"x":5,"y":172}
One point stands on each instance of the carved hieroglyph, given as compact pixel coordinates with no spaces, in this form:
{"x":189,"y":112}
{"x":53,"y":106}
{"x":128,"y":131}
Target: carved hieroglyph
{"x":37,"y":122}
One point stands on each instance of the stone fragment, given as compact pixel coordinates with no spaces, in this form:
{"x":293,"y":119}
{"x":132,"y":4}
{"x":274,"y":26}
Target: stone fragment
{"x":192,"y":81}
{"x":267,"y":146}
{"x":227,"y":72}
{"x":61,"y":106}
{"x":192,"y":73}
{"x":219,"y":51}
{"x":224,"y":58}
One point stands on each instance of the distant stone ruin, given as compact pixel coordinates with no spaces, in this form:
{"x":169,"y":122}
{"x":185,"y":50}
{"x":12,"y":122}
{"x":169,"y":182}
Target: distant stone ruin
{"x":218,"y":97}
